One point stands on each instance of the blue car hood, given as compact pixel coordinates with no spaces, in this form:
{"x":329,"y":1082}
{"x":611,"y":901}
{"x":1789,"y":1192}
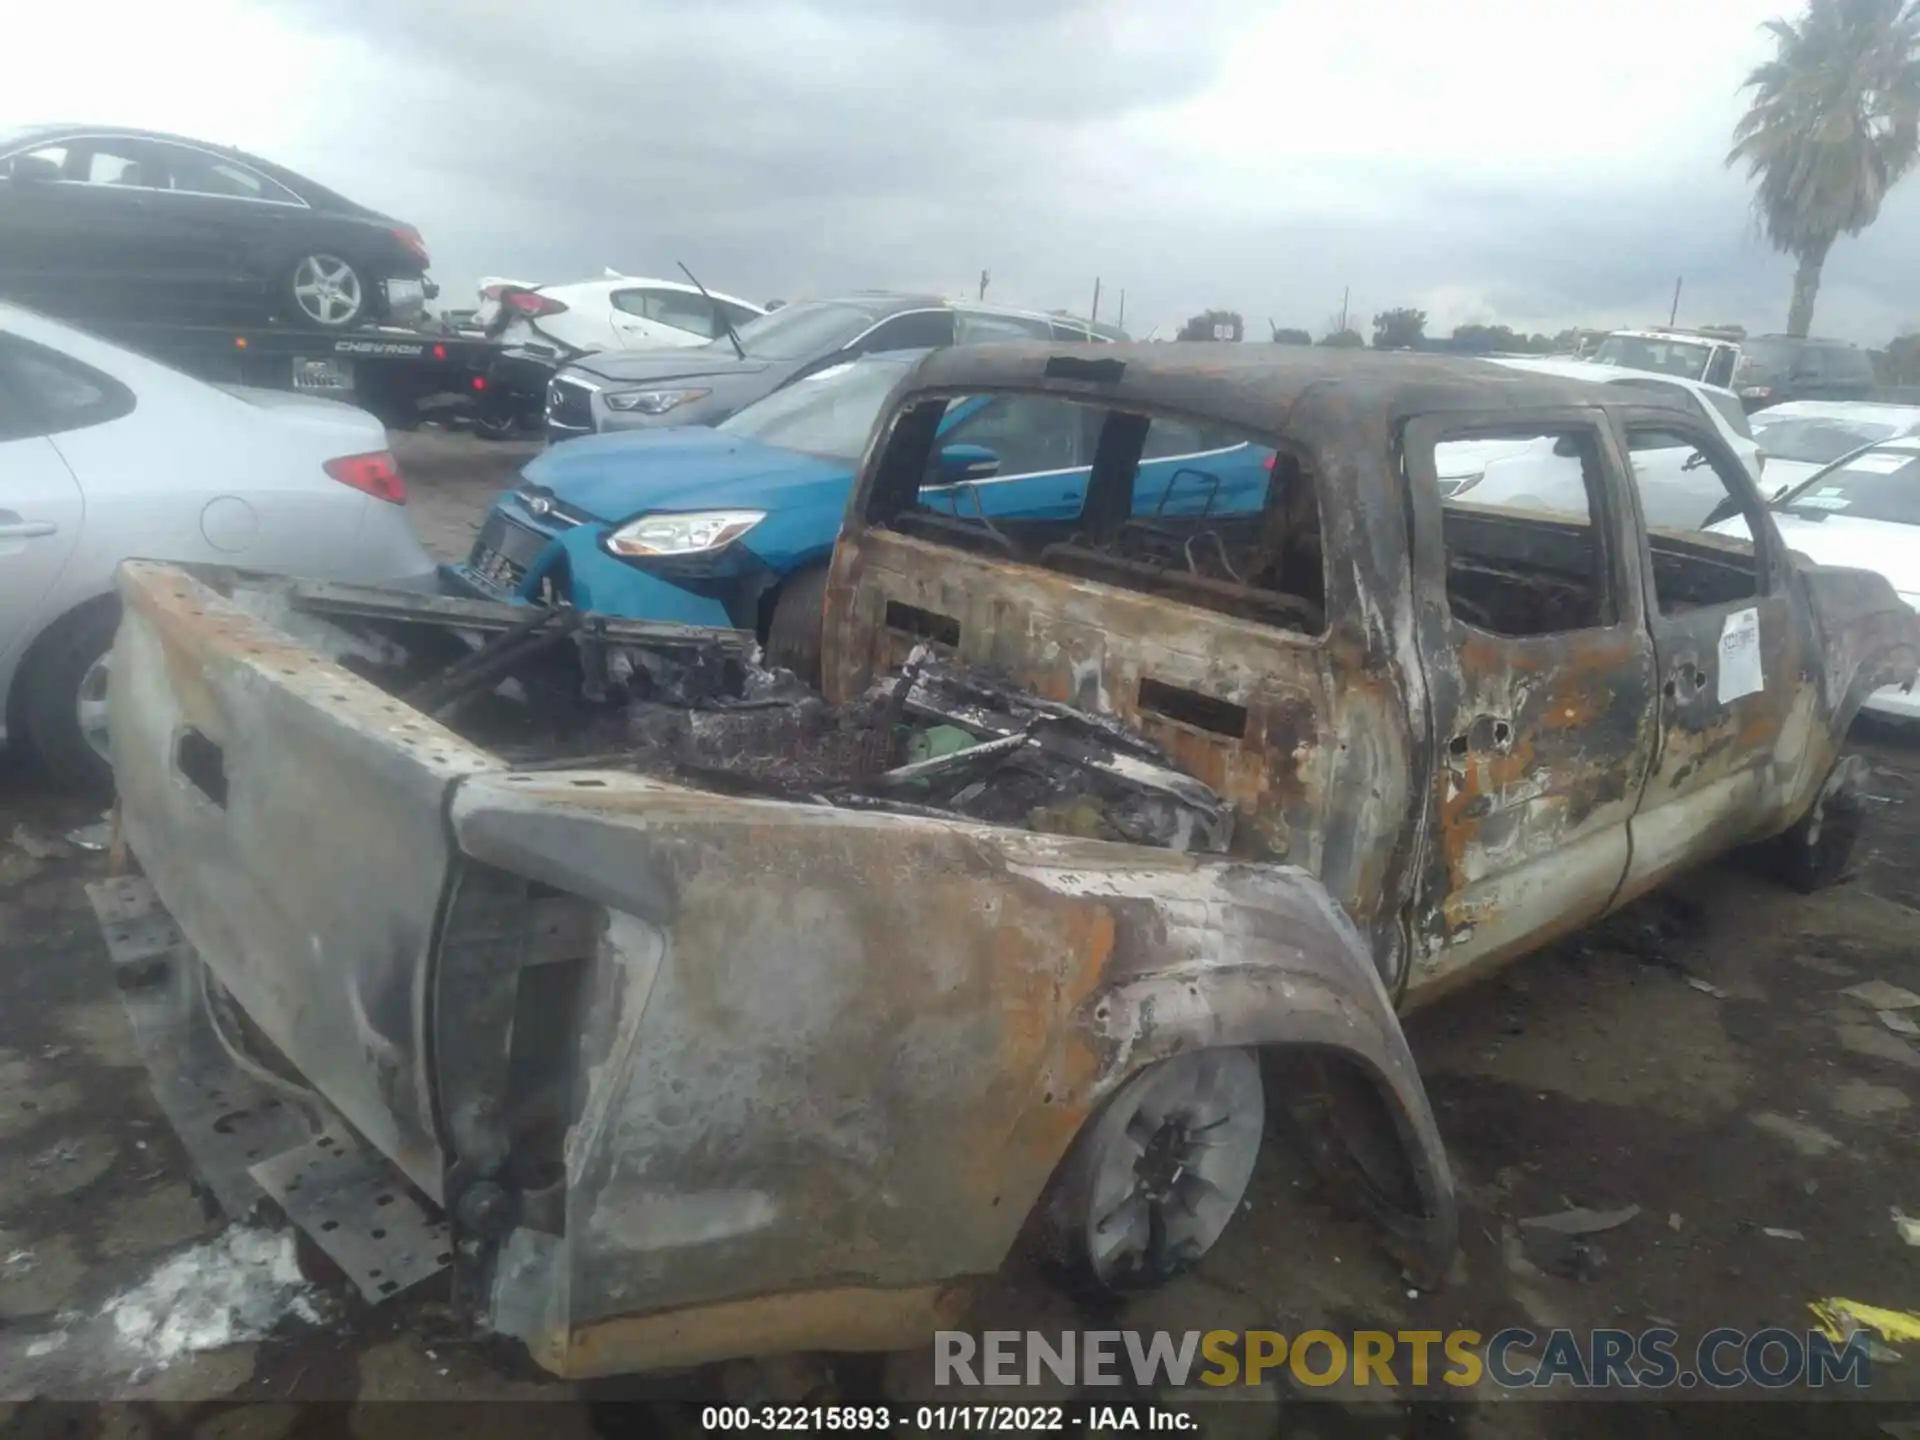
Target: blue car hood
{"x":689,"y":467}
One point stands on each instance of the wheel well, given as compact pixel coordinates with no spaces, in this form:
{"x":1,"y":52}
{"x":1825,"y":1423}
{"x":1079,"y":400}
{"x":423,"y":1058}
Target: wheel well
{"x":17,"y":686}
{"x":1338,"y":1114}
{"x":763,"y":610}
{"x":770,"y":595}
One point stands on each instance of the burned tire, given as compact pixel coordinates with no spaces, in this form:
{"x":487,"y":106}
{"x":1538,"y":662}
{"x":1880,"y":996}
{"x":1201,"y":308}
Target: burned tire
{"x":1816,"y":852}
{"x":794,"y":630}
{"x":61,"y":697}
{"x":1153,"y":1179}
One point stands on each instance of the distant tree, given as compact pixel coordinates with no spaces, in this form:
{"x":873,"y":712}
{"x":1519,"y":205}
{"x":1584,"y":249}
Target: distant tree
{"x":1485,"y":338}
{"x":1902,"y":363}
{"x":1403,"y":328}
{"x":1834,"y":124}
{"x":1348,"y":339}
{"x":1284,"y":336}
{"x":1213,"y":325}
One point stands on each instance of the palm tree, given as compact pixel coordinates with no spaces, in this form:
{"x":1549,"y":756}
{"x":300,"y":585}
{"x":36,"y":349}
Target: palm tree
{"x":1834,"y":124}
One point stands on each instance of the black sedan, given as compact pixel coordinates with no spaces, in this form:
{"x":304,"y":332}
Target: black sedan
{"x":99,"y":223}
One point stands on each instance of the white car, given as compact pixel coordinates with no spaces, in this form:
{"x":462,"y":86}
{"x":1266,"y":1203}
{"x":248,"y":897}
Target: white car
{"x":1678,"y":489}
{"x":1801,"y":436}
{"x":616,"y":312}
{"x":106,"y":456}
{"x":1863,"y":512}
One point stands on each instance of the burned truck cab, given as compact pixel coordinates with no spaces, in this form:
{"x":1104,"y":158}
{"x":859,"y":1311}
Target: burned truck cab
{"x":1440,"y":660}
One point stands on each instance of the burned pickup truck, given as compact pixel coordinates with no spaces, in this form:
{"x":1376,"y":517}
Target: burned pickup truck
{"x":686,"y":1011}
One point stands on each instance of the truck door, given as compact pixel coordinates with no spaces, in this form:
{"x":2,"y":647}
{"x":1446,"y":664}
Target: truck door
{"x":1540,"y":676}
{"x":1734,"y":664}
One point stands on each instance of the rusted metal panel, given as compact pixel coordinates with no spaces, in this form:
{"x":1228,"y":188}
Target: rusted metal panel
{"x":829,"y":1048}
{"x":1316,"y":717}
{"x":289,"y":814}
{"x":1541,"y":741}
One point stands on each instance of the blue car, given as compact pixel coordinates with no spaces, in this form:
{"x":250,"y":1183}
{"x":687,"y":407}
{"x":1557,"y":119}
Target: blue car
{"x":734,"y":526}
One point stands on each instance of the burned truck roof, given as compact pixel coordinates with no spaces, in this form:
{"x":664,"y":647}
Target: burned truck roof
{"x":1257,"y":386}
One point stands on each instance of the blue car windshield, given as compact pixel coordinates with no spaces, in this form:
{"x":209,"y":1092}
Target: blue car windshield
{"x":829,"y":414}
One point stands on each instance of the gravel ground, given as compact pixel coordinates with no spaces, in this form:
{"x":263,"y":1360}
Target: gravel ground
{"x":1593,"y":1074}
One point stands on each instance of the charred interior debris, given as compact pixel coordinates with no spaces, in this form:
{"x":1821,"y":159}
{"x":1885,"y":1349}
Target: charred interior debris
{"x":562,"y":688}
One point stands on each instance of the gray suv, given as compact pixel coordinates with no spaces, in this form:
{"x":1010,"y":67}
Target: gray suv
{"x":703,"y":385}
{"x":1774,"y":368}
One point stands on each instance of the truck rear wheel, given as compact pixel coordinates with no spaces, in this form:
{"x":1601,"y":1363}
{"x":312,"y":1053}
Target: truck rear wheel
{"x":1153,"y":1179}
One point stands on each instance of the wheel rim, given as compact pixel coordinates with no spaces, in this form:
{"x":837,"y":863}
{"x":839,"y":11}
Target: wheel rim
{"x":90,"y":708}
{"x":326,"y":289}
{"x":1174,"y":1154}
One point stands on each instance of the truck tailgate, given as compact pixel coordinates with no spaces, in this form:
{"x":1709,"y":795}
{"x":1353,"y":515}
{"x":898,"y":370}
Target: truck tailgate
{"x":294,"y":819}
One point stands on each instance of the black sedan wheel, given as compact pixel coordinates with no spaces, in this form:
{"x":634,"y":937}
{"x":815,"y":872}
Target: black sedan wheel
{"x":328,"y":291}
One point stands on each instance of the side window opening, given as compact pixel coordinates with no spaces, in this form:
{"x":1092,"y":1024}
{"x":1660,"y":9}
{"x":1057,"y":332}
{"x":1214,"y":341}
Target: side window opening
{"x":1236,"y":531}
{"x":201,"y":174}
{"x":1520,"y":522}
{"x":1701,"y":512}
{"x":45,"y":393}
{"x":913,"y":331}
{"x":981,"y":327}
{"x":672,"y":307}
{"x":1025,"y":433}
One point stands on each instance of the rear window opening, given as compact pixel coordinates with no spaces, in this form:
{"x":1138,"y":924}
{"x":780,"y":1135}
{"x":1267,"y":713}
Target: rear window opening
{"x":1210,"y":515}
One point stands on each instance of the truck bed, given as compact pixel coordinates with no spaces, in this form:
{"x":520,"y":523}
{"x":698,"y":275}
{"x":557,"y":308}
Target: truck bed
{"x":696,"y":1017}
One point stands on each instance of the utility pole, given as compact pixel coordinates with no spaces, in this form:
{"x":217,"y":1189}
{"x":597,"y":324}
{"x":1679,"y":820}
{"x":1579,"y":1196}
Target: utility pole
{"x":1345,"y":295}
{"x":985,"y":276}
{"x":1674,"y":313}
{"x":1122,"y":321}
{"x":1096,"y":299}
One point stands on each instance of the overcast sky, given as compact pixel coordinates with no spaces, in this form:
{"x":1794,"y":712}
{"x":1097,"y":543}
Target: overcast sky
{"x":1503,"y":162}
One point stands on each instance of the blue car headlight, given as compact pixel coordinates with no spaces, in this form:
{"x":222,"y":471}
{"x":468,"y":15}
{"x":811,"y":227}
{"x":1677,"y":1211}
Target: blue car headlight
{"x":691,"y":532}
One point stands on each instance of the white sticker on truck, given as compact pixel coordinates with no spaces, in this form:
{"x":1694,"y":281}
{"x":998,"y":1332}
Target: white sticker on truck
{"x":1740,"y":655}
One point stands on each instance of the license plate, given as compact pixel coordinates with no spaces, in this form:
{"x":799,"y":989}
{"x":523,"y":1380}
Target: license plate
{"x":504,"y":551}
{"x":325,"y":377}
{"x":495,"y":571}
{"x":406,"y":293}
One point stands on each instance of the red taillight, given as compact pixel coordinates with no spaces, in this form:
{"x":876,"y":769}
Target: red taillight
{"x":532,"y":305}
{"x":479,"y":382}
{"x":410,"y":237}
{"x":1267,"y":464}
{"x":377,"y":474}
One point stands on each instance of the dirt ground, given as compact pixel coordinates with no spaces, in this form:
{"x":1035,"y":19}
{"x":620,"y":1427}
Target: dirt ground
{"x":1595,"y":1075}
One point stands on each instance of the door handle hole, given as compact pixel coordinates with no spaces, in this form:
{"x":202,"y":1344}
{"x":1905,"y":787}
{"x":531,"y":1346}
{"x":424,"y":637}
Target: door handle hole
{"x":203,"y":763}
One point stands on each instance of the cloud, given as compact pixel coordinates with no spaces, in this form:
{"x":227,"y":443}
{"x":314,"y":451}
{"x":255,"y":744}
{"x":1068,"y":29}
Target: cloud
{"x":1505,"y":162}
